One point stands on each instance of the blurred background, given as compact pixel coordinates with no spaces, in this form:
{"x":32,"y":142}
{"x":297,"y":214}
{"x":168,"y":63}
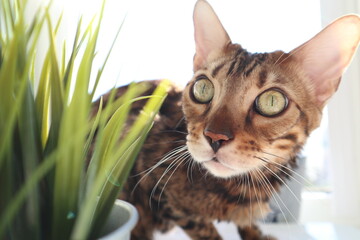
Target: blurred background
{"x":156,"y":41}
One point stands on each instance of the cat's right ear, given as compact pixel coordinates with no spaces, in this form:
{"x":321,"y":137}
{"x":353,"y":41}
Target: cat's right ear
{"x":326,"y":56}
{"x":210,"y":35}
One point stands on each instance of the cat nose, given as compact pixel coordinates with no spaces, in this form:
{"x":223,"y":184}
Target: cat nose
{"x":217,"y":139}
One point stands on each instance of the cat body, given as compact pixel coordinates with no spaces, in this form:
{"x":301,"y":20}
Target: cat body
{"x":179,"y":191}
{"x":225,"y":143}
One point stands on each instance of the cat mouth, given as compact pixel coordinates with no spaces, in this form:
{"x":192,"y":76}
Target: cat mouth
{"x":221,"y":169}
{"x":215,"y":164}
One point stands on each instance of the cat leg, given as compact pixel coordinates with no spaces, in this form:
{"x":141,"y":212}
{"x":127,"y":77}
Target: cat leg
{"x":142,"y":232}
{"x":199,"y":230}
{"x":144,"y":229}
{"x":253,"y":233}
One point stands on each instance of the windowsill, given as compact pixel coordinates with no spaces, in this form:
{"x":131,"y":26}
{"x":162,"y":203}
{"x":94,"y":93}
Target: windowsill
{"x":319,"y":207}
{"x":315,"y":207}
{"x":309,"y":231}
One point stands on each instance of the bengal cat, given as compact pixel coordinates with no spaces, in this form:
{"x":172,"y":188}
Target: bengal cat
{"x":223,"y":145}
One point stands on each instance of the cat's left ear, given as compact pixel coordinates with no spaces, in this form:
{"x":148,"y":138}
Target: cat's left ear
{"x":210,"y":35}
{"x":325,"y":57}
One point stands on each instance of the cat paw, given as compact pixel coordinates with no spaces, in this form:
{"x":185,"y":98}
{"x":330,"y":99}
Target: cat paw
{"x":253,"y":233}
{"x":268,"y":237}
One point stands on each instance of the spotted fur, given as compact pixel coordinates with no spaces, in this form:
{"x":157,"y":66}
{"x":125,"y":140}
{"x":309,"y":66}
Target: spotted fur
{"x":223,"y":160}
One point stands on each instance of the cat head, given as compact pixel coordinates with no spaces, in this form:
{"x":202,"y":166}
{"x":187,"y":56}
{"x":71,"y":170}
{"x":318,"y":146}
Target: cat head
{"x":246,"y":111}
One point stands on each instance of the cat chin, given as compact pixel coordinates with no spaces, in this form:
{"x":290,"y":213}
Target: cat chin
{"x":221,"y":170}
{"x":209,"y":160}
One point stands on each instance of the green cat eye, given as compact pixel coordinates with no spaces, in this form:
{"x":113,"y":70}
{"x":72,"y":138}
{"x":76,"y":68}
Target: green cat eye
{"x":271,"y":103}
{"x":203,"y":90}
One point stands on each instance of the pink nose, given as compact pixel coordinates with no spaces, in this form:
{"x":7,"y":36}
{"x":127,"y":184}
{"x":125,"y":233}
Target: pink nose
{"x":216,"y":139}
{"x":216,"y":136}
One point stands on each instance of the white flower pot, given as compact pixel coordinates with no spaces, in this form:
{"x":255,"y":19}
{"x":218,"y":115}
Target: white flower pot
{"x":121,"y":222}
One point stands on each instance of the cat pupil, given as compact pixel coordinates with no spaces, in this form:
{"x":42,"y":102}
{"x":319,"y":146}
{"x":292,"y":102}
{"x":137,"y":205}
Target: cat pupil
{"x":203,"y":89}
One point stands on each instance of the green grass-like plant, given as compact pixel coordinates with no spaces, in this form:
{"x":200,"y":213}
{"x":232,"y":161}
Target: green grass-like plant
{"x":49,"y":189}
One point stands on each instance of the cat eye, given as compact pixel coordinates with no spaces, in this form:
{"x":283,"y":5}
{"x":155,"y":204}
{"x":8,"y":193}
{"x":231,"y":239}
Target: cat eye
{"x":203,"y":90}
{"x":271,"y":102}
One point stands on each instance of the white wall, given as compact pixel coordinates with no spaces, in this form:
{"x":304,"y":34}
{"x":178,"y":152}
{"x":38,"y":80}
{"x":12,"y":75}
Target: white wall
{"x":157,"y":38}
{"x":344,"y":129}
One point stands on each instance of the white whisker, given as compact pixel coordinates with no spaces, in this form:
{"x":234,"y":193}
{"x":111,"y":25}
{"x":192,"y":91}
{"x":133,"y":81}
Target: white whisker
{"x":242,"y":185}
{"x":257,"y":197}
{"x":280,"y":168}
{"x":190,"y":163}
{"x":251,"y":210}
{"x":276,"y":193}
{"x":271,"y":192}
{"x":283,"y":166}
{"x":178,"y":163}
{"x":268,"y":185}
{"x":167,"y":157}
{"x":175,"y":161}
{"x":283,"y":182}
{"x":164,"y":142}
